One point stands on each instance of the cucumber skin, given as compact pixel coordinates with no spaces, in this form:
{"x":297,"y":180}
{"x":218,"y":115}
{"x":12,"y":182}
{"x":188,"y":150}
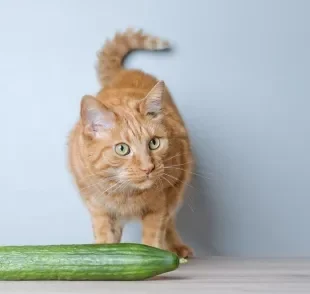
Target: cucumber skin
{"x":92,"y":262}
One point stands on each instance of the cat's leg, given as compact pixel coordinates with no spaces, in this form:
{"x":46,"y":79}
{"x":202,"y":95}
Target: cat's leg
{"x":106,"y":229}
{"x":154,"y":229}
{"x":174,"y":242}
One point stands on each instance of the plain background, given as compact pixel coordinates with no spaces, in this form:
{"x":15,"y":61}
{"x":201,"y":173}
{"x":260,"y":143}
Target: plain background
{"x":239,"y":73}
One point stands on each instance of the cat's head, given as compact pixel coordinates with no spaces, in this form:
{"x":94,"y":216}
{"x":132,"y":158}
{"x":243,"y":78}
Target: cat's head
{"x":127,"y":143}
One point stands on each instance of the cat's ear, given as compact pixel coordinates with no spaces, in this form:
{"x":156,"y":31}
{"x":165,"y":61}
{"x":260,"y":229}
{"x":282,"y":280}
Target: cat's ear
{"x":152,"y":104}
{"x":96,"y":118}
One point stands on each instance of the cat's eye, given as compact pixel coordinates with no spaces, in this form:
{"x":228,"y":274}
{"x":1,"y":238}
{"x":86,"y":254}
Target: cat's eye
{"x":154,"y":143}
{"x":122,"y":149}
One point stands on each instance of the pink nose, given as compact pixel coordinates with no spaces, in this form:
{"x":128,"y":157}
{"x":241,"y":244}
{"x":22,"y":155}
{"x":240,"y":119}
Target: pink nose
{"x":148,"y":169}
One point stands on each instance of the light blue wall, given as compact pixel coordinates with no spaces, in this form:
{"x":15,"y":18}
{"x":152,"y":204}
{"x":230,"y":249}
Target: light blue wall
{"x":240,"y":76}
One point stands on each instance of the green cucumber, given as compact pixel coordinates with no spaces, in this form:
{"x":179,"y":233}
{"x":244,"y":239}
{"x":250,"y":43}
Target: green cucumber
{"x":123,"y":261}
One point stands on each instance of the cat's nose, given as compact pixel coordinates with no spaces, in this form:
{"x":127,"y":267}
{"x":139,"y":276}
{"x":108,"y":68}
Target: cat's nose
{"x":148,"y":169}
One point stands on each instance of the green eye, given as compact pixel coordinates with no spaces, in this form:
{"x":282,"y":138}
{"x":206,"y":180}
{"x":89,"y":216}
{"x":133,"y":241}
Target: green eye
{"x":154,"y":143}
{"x":122,"y":149}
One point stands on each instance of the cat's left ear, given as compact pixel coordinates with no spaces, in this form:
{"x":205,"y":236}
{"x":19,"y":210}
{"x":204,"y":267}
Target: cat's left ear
{"x":152,"y":104}
{"x":96,"y":118}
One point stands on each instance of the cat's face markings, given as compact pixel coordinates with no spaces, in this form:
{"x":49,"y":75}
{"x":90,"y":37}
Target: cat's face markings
{"x":131,"y":141}
{"x":148,"y":144}
{"x":133,"y":152}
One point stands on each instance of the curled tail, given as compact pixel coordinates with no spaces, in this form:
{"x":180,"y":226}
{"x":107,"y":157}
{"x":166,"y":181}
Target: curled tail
{"x":111,"y":56}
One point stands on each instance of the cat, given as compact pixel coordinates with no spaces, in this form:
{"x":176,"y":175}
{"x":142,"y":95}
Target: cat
{"x":129,"y":153}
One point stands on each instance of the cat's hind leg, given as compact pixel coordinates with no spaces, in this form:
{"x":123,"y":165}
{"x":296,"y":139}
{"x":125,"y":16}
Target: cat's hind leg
{"x":174,"y":242}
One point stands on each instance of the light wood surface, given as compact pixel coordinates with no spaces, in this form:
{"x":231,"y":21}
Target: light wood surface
{"x":214,"y":275}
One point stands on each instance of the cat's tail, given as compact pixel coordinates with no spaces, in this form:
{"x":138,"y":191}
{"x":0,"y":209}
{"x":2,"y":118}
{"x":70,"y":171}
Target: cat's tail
{"x":111,"y":56}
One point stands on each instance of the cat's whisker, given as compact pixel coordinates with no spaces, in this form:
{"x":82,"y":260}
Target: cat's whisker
{"x":123,"y":184}
{"x":179,"y":180}
{"x":115,"y":190}
{"x":89,"y":186}
{"x":117,"y":183}
{"x":181,"y":164}
{"x":99,"y":182}
{"x":177,"y":165}
{"x":108,"y":179}
{"x":178,"y":154}
{"x":169,"y":182}
{"x":183,"y":183}
{"x":122,"y":187}
{"x":190,"y":206}
{"x":197,"y":174}
{"x":125,"y":187}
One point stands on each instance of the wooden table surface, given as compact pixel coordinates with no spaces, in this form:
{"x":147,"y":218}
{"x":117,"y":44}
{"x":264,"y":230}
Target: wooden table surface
{"x":213,"y":275}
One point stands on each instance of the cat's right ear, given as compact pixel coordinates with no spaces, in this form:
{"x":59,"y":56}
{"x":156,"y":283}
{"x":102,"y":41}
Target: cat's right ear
{"x":96,"y":118}
{"x":152,"y":104}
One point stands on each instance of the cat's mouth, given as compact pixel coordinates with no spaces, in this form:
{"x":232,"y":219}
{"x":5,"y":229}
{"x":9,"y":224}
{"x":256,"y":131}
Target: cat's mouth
{"x":145,"y":184}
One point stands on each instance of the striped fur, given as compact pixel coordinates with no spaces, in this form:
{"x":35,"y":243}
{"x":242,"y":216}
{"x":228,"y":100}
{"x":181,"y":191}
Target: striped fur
{"x":133,"y":108}
{"x":111,"y":56}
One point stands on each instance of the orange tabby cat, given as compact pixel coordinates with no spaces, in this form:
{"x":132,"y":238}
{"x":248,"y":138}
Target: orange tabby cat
{"x":130,"y":153}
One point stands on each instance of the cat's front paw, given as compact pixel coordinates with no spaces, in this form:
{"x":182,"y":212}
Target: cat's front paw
{"x":182,"y":250}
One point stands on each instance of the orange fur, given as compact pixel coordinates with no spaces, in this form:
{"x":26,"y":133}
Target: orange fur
{"x":134,"y":109}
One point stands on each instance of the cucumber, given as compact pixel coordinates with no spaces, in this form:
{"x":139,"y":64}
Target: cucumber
{"x":118,"y":262}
